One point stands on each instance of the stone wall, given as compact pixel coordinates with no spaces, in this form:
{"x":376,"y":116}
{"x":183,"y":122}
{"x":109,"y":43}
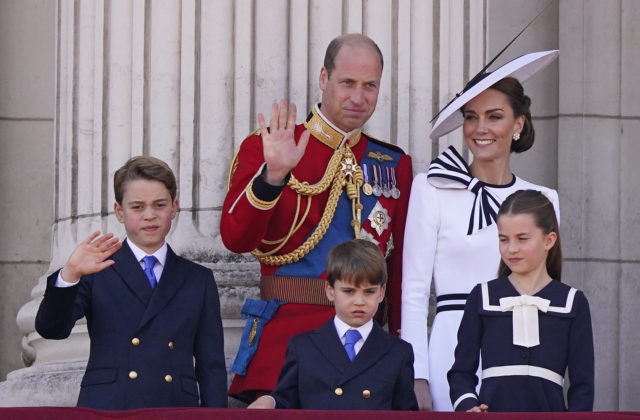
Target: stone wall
{"x":84,"y":85}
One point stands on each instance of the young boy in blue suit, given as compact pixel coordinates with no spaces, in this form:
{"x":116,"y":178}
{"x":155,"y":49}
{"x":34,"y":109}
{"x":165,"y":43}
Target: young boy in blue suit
{"x":150,"y":313}
{"x":350,"y":362}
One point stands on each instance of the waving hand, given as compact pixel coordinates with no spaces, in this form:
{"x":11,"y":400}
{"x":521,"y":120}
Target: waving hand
{"x":281,"y":153}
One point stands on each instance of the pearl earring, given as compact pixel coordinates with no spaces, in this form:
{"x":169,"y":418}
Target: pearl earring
{"x":516,"y":136}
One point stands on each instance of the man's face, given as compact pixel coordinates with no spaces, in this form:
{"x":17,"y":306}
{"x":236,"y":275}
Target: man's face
{"x":350,"y":94}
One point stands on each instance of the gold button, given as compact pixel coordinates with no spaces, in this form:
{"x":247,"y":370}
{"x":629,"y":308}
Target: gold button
{"x":338,"y":391}
{"x":170,"y":345}
{"x":168,"y":378}
{"x":135,"y":341}
{"x":366,"y":393}
{"x":133,"y":374}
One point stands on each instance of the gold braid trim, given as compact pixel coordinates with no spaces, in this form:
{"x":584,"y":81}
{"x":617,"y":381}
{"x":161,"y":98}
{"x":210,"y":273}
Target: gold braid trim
{"x":232,"y":169}
{"x":283,"y":241}
{"x":333,"y":169}
{"x":353,"y":192}
{"x":294,"y":230}
{"x":342,"y":162}
{"x":258,"y":203}
{"x":316,"y":236}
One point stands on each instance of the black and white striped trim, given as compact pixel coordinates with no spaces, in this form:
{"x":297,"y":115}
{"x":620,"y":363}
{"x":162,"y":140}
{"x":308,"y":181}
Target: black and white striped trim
{"x":450,"y":166}
{"x":451,"y":302}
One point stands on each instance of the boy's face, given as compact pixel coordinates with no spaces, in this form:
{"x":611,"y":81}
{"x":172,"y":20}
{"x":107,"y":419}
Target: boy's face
{"x":146,"y":211}
{"x":354,"y":305}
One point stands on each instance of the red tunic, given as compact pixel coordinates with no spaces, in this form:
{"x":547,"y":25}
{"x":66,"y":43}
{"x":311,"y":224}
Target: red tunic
{"x":248,"y":218}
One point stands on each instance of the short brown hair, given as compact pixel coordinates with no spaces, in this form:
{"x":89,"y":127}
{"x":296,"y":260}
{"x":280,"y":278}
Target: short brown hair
{"x":356,"y":261}
{"x":353,"y":40}
{"x":144,"y":167}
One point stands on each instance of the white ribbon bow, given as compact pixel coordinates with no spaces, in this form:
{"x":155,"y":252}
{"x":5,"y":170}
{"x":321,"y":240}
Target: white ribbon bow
{"x":525,"y":317}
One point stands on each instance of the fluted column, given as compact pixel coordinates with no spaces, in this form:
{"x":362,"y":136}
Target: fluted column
{"x":183,"y":81}
{"x":598,"y":151}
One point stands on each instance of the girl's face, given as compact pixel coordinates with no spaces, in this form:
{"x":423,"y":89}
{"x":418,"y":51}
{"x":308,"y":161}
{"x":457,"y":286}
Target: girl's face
{"x":489,"y":125}
{"x":523,"y":245}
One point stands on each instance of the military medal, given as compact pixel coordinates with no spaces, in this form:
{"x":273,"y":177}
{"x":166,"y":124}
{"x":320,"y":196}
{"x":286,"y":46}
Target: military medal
{"x":395,"y":192}
{"x":366,"y":188}
{"x":386,"y":191}
{"x":379,"y":218}
{"x":377,"y":180}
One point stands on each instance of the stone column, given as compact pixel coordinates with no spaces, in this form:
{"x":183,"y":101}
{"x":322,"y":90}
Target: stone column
{"x":598,"y":172}
{"x":26,"y":123}
{"x":135,"y":78}
{"x":183,"y":81}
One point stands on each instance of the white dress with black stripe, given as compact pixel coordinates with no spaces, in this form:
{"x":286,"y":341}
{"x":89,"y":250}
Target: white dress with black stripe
{"x":437,"y":246}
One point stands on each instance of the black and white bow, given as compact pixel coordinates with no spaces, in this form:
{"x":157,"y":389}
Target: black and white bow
{"x":449,"y":170}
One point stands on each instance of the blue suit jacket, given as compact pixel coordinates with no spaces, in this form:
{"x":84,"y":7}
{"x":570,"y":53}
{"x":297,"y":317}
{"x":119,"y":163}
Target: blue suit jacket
{"x":143,"y":341}
{"x":317,"y":373}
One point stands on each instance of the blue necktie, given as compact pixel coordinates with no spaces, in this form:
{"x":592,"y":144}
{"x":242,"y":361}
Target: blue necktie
{"x":350,"y":339}
{"x":149,"y":262}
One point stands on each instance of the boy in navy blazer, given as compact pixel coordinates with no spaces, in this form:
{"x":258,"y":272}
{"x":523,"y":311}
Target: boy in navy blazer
{"x":150,"y":313}
{"x":350,"y":362}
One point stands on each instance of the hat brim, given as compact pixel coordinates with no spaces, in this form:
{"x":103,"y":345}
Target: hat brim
{"x":520,"y":68}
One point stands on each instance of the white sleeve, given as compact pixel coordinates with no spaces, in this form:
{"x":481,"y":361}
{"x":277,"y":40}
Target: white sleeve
{"x":60,"y":282}
{"x":420,"y":242}
{"x":553,"y":197}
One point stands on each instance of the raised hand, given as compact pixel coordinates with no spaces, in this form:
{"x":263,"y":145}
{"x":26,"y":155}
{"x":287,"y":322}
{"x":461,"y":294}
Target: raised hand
{"x":90,"y":256}
{"x":281,"y":153}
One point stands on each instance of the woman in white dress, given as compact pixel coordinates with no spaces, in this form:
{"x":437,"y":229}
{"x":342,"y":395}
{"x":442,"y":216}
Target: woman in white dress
{"x":451,"y":235}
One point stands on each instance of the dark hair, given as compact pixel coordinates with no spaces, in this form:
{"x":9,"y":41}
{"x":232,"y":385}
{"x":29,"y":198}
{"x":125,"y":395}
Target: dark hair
{"x":144,"y":167}
{"x":520,"y":104}
{"x":544,"y":215}
{"x":356,"y":261}
{"x":353,"y":40}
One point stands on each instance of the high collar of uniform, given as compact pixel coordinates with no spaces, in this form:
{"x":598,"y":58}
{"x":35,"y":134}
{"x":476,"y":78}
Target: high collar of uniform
{"x":327,"y":133}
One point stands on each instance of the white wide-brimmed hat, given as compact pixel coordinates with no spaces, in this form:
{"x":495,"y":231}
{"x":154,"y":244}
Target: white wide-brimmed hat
{"x":520,"y":68}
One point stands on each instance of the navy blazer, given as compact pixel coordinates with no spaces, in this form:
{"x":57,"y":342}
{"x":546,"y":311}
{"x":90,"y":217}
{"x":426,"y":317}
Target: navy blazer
{"x":143,"y":340}
{"x":317,"y":373}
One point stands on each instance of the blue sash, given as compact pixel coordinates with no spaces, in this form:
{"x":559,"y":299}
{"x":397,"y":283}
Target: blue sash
{"x":314,"y":263}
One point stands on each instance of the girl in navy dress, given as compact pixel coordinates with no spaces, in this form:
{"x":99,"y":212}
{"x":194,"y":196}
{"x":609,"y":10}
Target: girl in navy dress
{"x":528,"y":327}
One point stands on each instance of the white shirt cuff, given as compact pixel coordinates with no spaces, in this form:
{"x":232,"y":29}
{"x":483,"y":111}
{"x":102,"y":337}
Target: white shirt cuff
{"x":61,"y":283}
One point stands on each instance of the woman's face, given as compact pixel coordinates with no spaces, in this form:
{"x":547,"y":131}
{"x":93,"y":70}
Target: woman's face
{"x":489,"y":125}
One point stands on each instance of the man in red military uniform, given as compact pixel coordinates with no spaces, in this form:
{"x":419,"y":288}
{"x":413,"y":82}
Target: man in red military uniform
{"x":297,"y":191}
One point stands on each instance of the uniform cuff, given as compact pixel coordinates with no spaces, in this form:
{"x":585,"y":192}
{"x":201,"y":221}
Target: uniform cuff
{"x":264,"y":191}
{"x":465,"y":402}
